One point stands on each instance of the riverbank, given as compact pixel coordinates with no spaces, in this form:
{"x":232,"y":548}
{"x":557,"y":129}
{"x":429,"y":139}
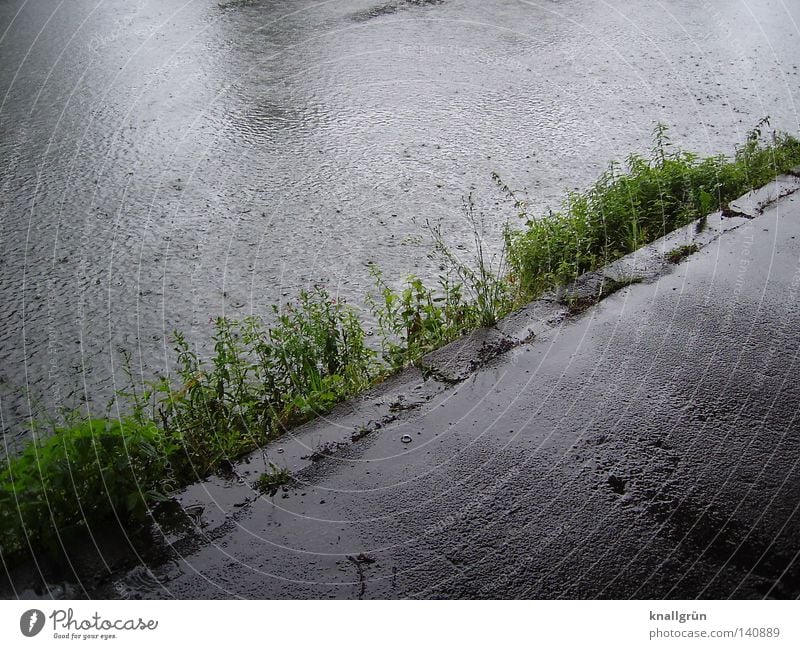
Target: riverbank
{"x":262,"y":379}
{"x":642,"y":447}
{"x":229,"y":158}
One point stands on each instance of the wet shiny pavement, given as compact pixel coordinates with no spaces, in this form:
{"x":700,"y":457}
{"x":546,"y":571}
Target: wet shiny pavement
{"x":648,"y":447}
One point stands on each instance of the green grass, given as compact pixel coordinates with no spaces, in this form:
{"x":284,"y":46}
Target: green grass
{"x":91,"y":473}
{"x":270,"y":481}
{"x":632,"y":206}
{"x":417,"y":319}
{"x":676,"y":255}
{"x":260,"y":380}
{"x":264,"y":377}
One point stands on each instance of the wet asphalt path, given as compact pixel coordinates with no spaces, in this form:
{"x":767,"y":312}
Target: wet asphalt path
{"x":647,"y":448}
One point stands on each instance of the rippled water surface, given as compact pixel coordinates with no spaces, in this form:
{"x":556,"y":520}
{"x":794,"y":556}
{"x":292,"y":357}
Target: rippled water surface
{"x":164,"y":162}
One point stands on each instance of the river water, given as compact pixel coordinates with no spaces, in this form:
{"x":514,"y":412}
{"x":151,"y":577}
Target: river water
{"x":164,"y":162}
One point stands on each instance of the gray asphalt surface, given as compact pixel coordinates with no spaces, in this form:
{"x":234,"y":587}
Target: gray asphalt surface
{"x":648,"y":447}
